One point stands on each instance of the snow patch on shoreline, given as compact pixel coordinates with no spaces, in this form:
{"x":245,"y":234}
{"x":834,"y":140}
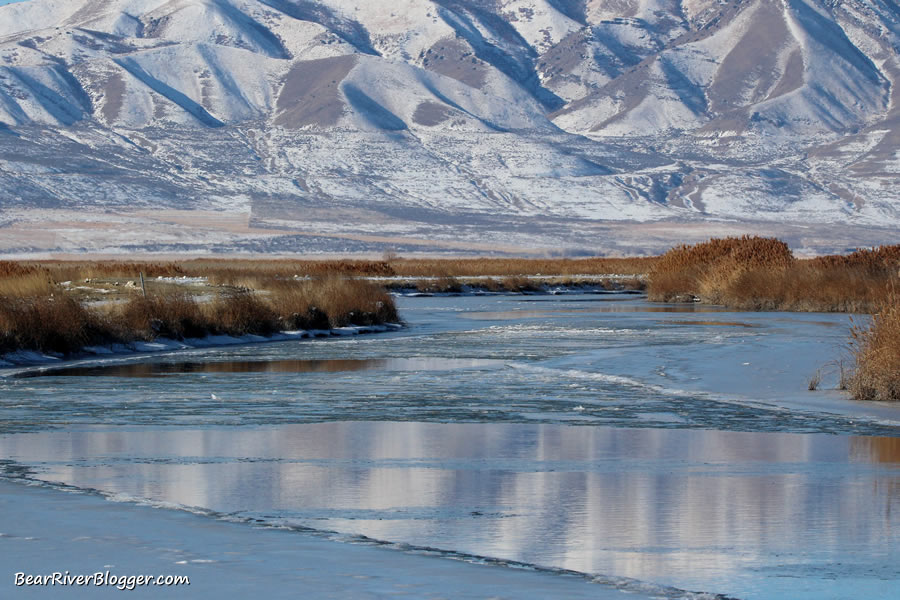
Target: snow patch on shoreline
{"x":37,"y":361}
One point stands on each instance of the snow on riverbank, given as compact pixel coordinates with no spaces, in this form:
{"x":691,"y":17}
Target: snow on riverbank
{"x":10,"y":363}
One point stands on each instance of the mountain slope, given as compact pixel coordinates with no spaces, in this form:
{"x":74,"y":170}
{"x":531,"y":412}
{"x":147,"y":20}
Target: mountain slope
{"x":538,"y":123}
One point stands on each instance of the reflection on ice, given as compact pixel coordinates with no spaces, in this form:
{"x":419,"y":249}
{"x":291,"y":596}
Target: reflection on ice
{"x":154,"y":369}
{"x":749,"y":514}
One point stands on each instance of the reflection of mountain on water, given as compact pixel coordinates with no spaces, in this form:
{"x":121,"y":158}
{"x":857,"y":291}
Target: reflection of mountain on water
{"x":698,"y":509}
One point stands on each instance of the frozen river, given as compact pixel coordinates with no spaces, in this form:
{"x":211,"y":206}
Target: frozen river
{"x":595,"y":440}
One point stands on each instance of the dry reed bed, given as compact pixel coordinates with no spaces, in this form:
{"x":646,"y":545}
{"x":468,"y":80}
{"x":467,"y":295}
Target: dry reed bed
{"x":508,"y":267}
{"x":234,"y":271}
{"x":56,"y":322}
{"x":877,"y":352}
{"x":753,"y":273}
{"x":513,"y":284}
{"x":217,"y":271}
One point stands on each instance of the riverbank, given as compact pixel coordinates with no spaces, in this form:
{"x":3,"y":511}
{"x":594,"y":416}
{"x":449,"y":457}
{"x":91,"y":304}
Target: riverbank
{"x":52,"y":318}
{"x":753,"y":273}
{"x":37,"y":362}
{"x":56,"y":309}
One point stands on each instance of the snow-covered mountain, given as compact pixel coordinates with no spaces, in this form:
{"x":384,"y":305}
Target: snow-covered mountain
{"x":509,"y":125}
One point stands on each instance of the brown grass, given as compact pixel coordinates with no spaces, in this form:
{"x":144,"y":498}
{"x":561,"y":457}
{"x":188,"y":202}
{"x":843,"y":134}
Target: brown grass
{"x":255,"y":273}
{"x":515,"y":284}
{"x":870,"y":260}
{"x":16,"y":269}
{"x":505,"y":267}
{"x":518,"y":283}
{"x":877,"y":352}
{"x":55,"y":324}
{"x":175,"y":316}
{"x":753,"y":273}
{"x":242,"y":313}
{"x":445,"y":285}
{"x":219,"y":271}
{"x":26,"y":285}
{"x":709,"y":270}
{"x":331,"y":301}
{"x":53,"y":320}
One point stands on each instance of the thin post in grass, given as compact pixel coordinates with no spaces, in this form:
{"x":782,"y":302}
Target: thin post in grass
{"x":143,"y":286}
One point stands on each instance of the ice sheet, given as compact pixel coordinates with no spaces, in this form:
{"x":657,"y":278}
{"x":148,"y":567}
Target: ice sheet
{"x":83,"y":534}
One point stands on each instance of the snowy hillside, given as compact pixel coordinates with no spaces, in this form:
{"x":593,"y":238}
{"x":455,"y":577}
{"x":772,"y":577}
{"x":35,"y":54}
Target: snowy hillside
{"x":457,"y":125}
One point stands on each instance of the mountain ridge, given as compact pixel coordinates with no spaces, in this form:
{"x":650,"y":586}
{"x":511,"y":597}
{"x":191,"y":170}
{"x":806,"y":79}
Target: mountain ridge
{"x":534,"y":122}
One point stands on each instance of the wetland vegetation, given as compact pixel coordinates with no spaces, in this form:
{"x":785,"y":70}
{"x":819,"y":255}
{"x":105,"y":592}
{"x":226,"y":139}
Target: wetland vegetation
{"x":62,"y":306}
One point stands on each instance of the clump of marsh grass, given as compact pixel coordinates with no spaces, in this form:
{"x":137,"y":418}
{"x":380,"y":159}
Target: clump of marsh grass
{"x":814,"y":381}
{"x":331,"y":301}
{"x":709,"y":271}
{"x":241,"y":313}
{"x":176,"y":316}
{"x":52,"y":323}
{"x":445,"y":284}
{"x":753,"y":273}
{"x":519,"y":283}
{"x":877,"y":352}
{"x":52,"y":320}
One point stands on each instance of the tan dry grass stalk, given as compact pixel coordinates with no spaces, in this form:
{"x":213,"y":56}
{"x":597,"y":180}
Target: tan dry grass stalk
{"x":32,"y":284}
{"x":877,"y":352}
{"x":815,"y":381}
